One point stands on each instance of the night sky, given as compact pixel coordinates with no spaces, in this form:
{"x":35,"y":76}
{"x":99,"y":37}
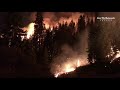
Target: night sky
{"x":21,"y":19}
{"x":3,"y":20}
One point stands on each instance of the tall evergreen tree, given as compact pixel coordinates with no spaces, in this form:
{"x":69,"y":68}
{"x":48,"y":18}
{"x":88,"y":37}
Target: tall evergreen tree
{"x":72,"y":26}
{"x":92,"y":42}
{"x":81,"y":23}
{"x":38,"y":44}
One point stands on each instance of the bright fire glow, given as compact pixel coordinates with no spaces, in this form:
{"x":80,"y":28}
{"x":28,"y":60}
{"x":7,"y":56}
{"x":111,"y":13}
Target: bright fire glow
{"x":30,"y":30}
{"x":112,"y":54}
{"x":22,"y":37}
{"x":47,"y":26}
{"x":78,"y":63}
{"x":116,"y":56}
{"x":70,"y":66}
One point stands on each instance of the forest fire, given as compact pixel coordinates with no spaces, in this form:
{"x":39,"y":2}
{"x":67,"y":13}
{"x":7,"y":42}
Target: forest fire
{"x":117,"y":55}
{"x":48,"y":27}
{"x":113,"y":54}
{"x":60,"y":45}
{"x":30,"y":30}
{"x":70,"y":67}
{"x":65,"y":65}
{"x":50,"y":20}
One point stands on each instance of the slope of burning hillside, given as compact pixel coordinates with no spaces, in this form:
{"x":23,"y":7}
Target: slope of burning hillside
{"x":70,"y":58}
{"x":103,"y":70}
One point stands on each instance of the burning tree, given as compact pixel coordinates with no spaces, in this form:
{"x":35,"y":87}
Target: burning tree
{"x":72,"y":27}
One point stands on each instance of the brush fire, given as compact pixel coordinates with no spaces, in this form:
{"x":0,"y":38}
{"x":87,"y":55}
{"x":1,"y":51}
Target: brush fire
{"x":113,"y":54}
{"x":69,"y":66}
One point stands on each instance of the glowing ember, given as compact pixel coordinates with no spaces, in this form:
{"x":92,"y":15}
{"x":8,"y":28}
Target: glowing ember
{"x":51,"y":28}
{"x":30,"y":30}
{"x":56,"y":75}
{"x":116,"y":56}
{"x":112,"y":54}
{"x":22,"y":38}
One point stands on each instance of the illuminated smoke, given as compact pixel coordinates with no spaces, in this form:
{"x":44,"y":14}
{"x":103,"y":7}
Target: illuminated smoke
{"x":64,"y":65}
{"x":74,"y":17}
{"x":71,"y":58}
{"x":110,"y":33}
{"x":51,"y":19}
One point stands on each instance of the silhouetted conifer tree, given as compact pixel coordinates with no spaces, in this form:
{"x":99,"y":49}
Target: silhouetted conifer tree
{"x":37,"y":42}
{"x":81,"y":23}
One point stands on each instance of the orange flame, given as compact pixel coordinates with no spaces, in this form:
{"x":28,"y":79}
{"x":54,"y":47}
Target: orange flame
{"x":78,"y":63}
{"x":70,"y":66}
{"x":112,"y":54}
{"x":47,"y":26}
{"x":30,"y":30}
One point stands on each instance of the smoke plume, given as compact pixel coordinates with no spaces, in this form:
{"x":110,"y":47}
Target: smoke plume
{"x":70,"y":56}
